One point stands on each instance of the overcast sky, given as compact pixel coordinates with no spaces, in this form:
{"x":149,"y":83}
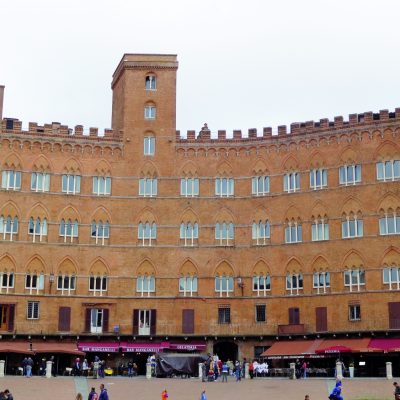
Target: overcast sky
{"x":242,"y":64}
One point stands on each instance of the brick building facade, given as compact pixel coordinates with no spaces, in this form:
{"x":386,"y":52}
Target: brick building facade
{"x":141,"y":234}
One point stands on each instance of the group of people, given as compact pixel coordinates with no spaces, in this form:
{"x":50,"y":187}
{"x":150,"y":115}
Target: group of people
{"x":93,"y":395}
{"x":27,"y":366}
{"x":214,"y":368}
{"x":98,"y":367}
{"x":6,"y":395}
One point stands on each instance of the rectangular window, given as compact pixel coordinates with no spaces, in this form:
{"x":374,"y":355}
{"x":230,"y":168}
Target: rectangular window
{"x":144,"y":322}
{"x":394,"y":315}
{"x":224,"y":285}
{"x":294,"y":316}
{"x":389,"y":224}
{"x":321,"y":319}
{"x":149,"y":146}
{"x":261,"y":284}
{"x":391,"y":277}
{"x":352,"y":228}
{"x":291,"y":182}
{"x":64,"y":319}
{"x":150,"y":112}
{"x":40,"y":182}
{"x":320,"y":230}
{"x":96,"y":320}
{"x":261,"y":315}
{"x":354,"y":312}
{"x":224,"y":314}
{"x":6,"y":280}
{"x":354,"y":279}
{"x":189,"y":187}
{"x":388,"y":170}
{"x":294,"y":283}
{"x":66,"y":283}
{"x":148,"y":187}
{"x":293,"y":233}
{"x":224,"y":234}
{"x":188,"y":321}
{"x":101,"y":185}
{"x":321,"y":281}
{"x":71,"y":184}
{"x":98,"y":285}
{"x":224,"y":187}
{"x":32,"y":311}
{"x":11,"y":180}
{"x":318,"y":178}
{"x":145,"y":284}
{"x":350,"y":174}
{"x":188,"y":285}
{"x":260,"y":185}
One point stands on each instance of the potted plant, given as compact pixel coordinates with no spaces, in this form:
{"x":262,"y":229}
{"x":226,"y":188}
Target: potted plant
{"x":351,"y":369}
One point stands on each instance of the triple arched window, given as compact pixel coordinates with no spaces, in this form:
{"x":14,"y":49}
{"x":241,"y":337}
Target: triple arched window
{"x":147,"y":233}
{"x":68,"y":229}
{"x":224,"y":233}
{"x":189,"y":233}
{"x":37,"y":228}
{"x":8,"y":227}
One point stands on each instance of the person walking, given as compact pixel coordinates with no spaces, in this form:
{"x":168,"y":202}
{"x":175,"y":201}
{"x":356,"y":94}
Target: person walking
{"x":103,"y":393}
{"x":225,"y":371}
{"x":337,"y":391}
{"x":203,"y":395}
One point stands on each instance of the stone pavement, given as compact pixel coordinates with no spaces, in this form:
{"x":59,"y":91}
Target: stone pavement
{"x":65,"y":388}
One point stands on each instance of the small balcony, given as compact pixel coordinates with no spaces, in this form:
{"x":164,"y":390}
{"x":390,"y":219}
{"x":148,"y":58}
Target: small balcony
{"x":293,"y":329}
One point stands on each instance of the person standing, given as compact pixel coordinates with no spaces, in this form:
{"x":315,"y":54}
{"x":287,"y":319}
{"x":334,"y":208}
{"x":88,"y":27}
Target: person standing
{"x":85,"y":367}
{"x":238,"y":371}
{"x":203,"y":395}
{"x":103,"y":393}
{"x":225,"y":371}
{"x":396,"y":391}
{"x":130,"y":369}
{"x":304,"y":369}
{"x":251,"y":369}
{"x":164,"y":394}
{"x":93,"y":395}
{"x":29,"y":365}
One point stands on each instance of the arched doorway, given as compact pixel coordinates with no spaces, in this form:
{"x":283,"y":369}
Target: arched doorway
{"x":226,"y":350}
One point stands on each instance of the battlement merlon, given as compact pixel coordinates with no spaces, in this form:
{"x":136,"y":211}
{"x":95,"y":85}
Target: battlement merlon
{"x":144,"y":61}
{"x":1,"y":101}
{"x":56,"y":130}
{"x":366,"y":119}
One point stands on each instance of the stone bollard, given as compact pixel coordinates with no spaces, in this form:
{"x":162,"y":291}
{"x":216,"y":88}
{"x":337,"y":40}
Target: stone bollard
{"x":148,"y":370}
{"x":389,"y":374}
{"x":201,"y":371}
{"x":292,"y":371}
{"x":48,"y":368}
{"x":246,"y":371}
{"x":2,"y":362}
{"x":339,"y":370}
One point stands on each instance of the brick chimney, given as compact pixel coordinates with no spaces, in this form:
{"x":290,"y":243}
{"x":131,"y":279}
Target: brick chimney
{"x":1,"y":101}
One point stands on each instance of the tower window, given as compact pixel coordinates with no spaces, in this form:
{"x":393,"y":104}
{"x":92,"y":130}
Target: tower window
{"x":151,"y":82}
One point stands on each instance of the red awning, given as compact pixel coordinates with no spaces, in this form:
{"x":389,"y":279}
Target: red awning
{"x":188,"y":346}
{"x":99,"y":347}
{"x":385,"y":345}
{"x":292,"y":349}
{"x":332,"y":346}
{"x":15,"y":347}
{"x":56,"y":347}
{"x":146,"y":347}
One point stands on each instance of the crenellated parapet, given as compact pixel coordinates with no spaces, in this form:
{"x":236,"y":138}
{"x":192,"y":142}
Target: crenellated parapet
{"x":56,"y":131}
{"x":367,"y":120}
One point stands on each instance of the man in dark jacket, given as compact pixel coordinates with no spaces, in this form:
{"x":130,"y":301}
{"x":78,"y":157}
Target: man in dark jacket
{"x":103,"y":393}
{"x":8,"y":395}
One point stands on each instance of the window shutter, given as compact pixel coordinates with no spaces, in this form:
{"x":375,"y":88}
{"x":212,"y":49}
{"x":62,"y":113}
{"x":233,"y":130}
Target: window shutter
{"x":321,"y":319}
{"x":153,"y":321}
{"x":394,"y":315}
{"x":64,"y":319}
{"x":105,"y":319}
{"x":135,"y":324}
{"x":11,"y":317}
{"x":87,"y":319}
{"x":188,"y":321}
{"x":294,"y":316}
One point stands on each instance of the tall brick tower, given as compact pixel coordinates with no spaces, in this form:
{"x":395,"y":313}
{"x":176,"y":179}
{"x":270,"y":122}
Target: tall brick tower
{"x":144,"y":100}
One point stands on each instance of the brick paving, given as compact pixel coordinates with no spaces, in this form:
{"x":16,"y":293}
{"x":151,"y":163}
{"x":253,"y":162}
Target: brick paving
{"x":65,"y":388}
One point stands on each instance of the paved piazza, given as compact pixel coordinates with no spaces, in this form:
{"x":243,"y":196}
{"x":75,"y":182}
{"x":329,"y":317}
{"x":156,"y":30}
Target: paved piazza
{"x":65,"y":388}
